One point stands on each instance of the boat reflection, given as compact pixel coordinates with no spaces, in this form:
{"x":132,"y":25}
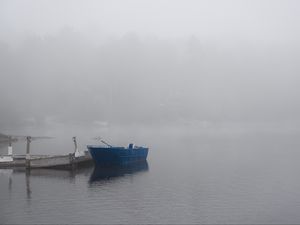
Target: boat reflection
{"x":105,"y":173}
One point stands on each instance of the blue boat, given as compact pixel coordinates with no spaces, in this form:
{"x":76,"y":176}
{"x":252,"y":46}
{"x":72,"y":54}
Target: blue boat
{"x":110,"y":155}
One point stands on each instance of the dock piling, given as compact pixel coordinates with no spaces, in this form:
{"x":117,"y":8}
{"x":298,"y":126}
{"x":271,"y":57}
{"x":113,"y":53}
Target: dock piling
{"x":75,"y":143}
{"x":77,"y":153}
{"x":9,"y":152}
{"x":28,"y":139}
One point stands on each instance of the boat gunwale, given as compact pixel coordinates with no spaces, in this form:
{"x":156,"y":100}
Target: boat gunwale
{"x":115,"y":147}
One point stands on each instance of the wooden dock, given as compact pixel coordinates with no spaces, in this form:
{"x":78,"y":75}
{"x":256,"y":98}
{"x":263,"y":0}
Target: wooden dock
{"x":68,"y":161}
{"x":29,"y":161}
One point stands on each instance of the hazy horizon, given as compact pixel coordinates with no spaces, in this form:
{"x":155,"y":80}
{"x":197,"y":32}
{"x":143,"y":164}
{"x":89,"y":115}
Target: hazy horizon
{"x":102,"y":63}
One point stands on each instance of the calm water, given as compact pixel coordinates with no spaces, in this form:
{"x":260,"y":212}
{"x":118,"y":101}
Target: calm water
{"x":188,"y":179}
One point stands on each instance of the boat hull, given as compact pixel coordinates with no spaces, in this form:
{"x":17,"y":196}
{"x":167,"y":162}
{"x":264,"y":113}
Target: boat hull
{"x":104,"y":156}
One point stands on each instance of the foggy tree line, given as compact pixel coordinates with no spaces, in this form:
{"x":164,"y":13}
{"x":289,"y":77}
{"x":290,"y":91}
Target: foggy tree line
{"x":144,"y":80}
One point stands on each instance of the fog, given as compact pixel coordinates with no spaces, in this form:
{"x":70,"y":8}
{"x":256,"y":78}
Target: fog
{"x":119,"y":64}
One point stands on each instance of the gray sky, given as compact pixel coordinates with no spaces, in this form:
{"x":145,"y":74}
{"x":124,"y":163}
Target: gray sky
{"x":247,"y":19}
{"x":145,"y":62}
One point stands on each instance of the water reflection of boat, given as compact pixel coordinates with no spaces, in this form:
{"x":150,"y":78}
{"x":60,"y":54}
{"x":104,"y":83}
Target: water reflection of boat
{"x":102,"y":173}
